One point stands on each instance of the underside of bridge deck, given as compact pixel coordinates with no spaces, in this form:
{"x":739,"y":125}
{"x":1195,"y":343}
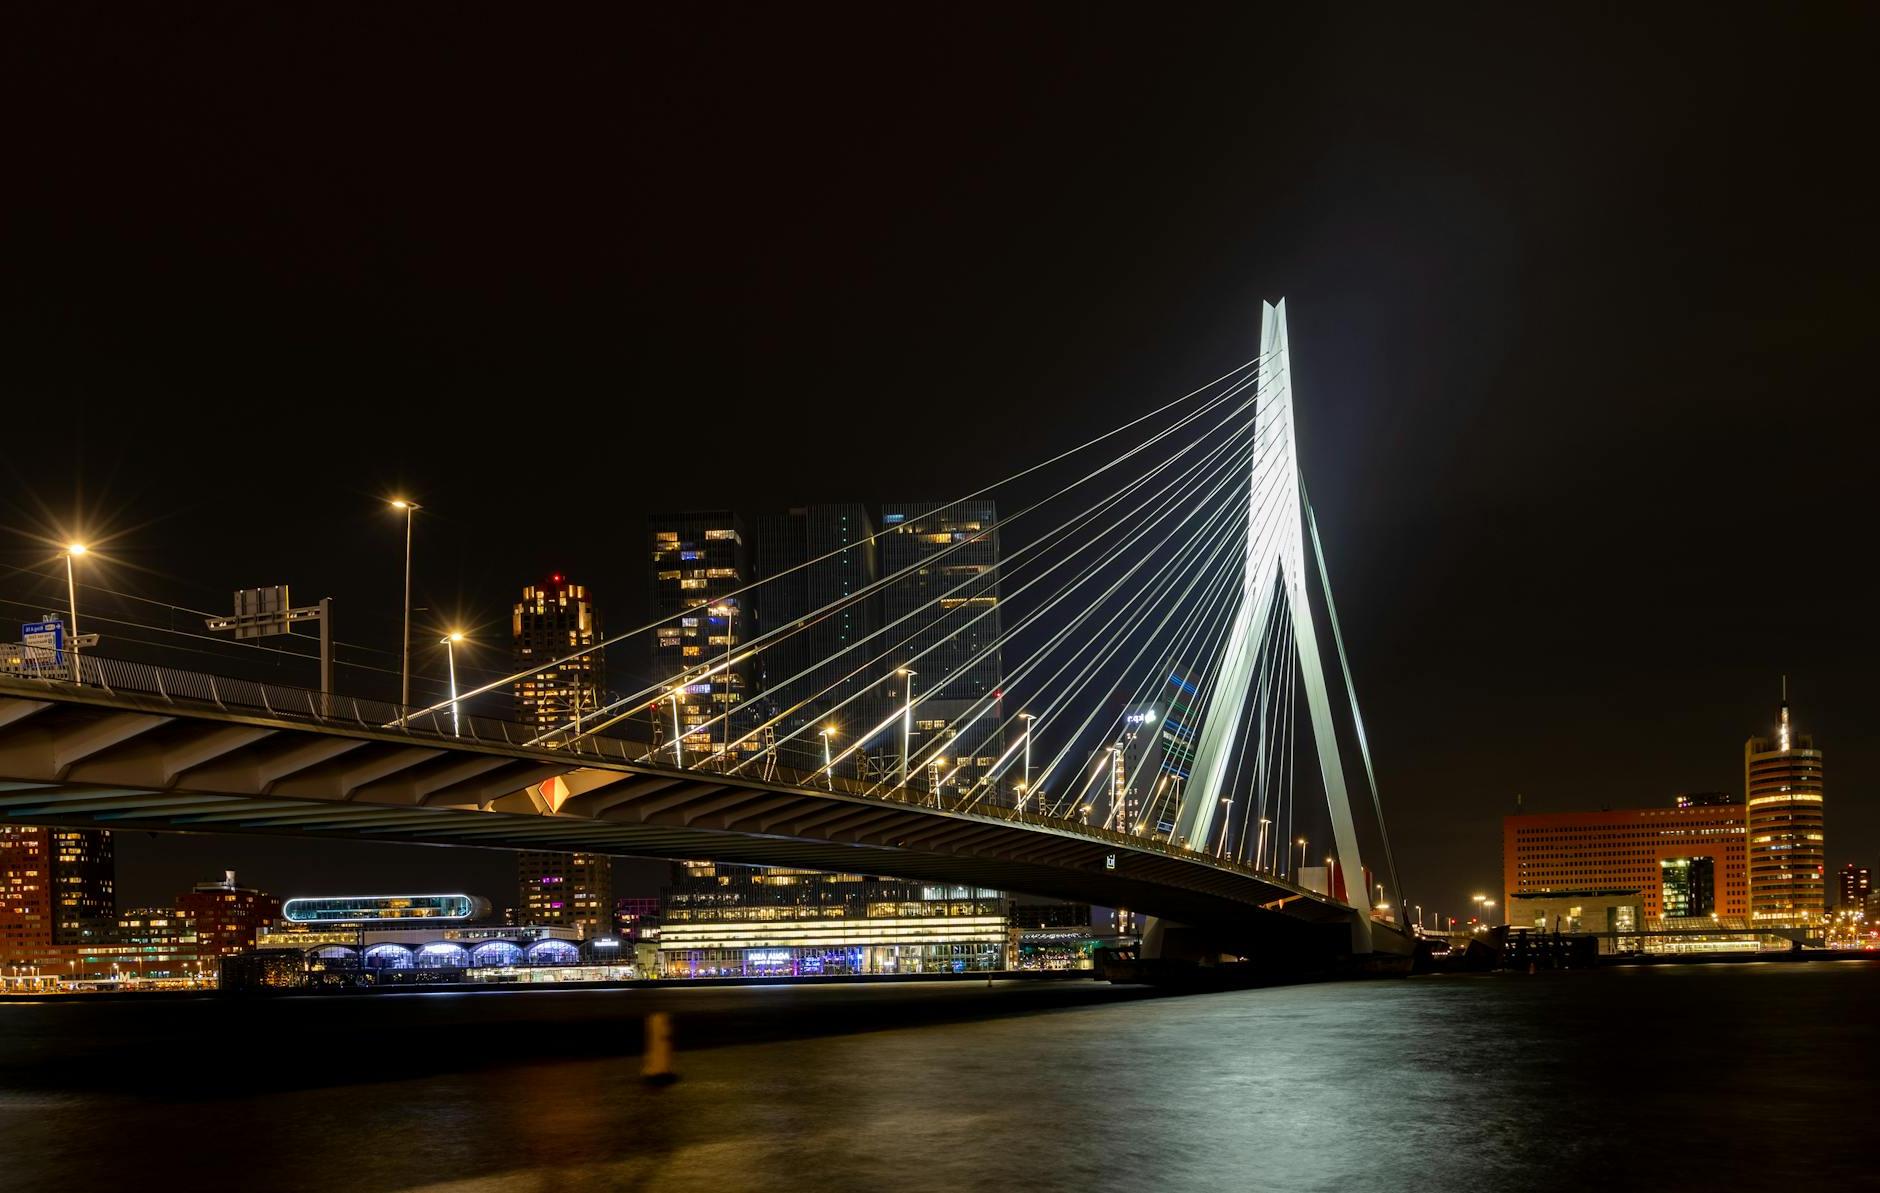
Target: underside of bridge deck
{"x":124,"y":762}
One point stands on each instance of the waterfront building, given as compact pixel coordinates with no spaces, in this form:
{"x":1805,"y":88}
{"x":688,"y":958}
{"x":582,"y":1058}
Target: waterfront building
{"x":57,"y":887}
{"x":1613,"y":914}
{"x":734,"y":921}
{"x":226,"y":916}
{"x":572,"y":890}
{"x":1856,"y":888}
{"x":807,"y":559}
{"x":1054,"y":936}
{"x":700,"y":564}
{"x":552,"y":620}
{"x":402,"y":943}
{"x":1783,"y":779}
{"x":159,"y":942}
{"x":1690,"y":857}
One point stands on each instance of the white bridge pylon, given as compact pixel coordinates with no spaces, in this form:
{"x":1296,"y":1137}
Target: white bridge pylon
{"x":1275,"y":572}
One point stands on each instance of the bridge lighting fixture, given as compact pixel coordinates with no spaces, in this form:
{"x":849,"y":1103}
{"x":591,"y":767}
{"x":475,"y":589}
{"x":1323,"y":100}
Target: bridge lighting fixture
{"x":450,"y":642}
{"x":409,"y":508}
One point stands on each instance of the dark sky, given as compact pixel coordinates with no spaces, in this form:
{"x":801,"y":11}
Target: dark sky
{"x":1581,"y":305}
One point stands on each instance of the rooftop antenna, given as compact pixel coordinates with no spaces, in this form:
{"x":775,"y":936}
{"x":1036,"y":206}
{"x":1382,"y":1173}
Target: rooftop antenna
{"x":1783,"y":730}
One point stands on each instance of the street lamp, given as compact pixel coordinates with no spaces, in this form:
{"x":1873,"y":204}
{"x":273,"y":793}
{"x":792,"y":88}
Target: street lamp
{"x":1331,"y":877}
{"x":404,"y":672}
{"x":1259,"y":851}
{"x":1300,"y":872}
{"x":1227,"y":821}
{"x":907,"y":721}
{"x":1024,"y":789}
{"x":450,"y":642}
{"x":73,"y":551}
{"x":829,"y":773}
{"x":933,"y":780}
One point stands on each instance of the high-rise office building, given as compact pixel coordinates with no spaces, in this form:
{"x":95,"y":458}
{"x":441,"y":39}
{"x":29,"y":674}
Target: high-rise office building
{"x":570,"y":890}
{"x":57,"y":886}
{"x":226,"y":916}
{"x":1675,"y":858}
{"x":1783,"y":779}
{"x":1856,"y":886}
{"x":942,"y":622}
{"x":810,"y":560}
{"x":551,"y":621}
{"x":700,"y":564}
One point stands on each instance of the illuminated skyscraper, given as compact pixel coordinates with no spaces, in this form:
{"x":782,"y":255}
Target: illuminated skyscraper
{"x":551,"y":621}
{"x":699,"y":565}
{"x":1782,"y":779}
{"x":57,"y":886}
{"x":572,"y":890}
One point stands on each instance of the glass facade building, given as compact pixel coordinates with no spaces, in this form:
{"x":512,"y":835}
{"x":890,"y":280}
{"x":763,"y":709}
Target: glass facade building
{"x":365,"y":909}
{"x":723,"y":921}
{"x":699,"y":562}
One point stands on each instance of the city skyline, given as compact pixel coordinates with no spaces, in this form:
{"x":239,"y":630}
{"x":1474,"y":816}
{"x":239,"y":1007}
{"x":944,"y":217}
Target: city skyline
{"x":1530,"y":560}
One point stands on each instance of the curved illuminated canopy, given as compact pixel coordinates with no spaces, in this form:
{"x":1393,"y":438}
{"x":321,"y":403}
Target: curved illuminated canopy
{"x":356,"y":909}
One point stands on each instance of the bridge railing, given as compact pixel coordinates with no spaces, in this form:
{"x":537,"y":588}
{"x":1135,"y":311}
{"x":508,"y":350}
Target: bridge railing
{"x":30,"y":666}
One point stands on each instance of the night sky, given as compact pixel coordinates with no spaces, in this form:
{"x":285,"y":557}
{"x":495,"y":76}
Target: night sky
{"x":1581,"y":311}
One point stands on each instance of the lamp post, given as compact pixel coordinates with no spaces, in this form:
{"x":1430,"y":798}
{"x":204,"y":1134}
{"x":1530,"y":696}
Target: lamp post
{"x":1227,"y":820}
{"x":1331,"y":877}
{"x":1300,"y":872}
{"x":829,"y":773}
{"x":1024,"y":790}
{"x":73,"y":551}
{"x":678,"y":742}
{"x":933,"y":779}
{"x":404,"y":670}
{"x":1259,"y":851}
{"x":450,"y":642}
{"x":907,"y":721}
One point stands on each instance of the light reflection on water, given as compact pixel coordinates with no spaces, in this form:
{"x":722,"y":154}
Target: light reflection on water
{"x":1667,"y":1078}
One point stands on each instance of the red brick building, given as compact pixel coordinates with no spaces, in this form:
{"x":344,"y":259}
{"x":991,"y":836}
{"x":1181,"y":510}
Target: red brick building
{"x":226,"y":916}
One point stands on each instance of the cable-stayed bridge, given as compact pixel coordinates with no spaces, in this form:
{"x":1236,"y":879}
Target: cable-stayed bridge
{"x":1143,"y":752}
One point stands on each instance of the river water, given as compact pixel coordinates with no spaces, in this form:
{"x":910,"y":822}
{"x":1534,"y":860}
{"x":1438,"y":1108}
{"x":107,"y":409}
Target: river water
{"x":1755,"y":1076}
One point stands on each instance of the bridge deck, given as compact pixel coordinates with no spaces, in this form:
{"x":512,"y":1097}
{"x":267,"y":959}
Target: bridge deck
{"x":86,"y":755}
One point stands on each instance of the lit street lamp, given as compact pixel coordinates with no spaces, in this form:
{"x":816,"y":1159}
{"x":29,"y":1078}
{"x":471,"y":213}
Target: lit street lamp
{"x":1300,"y":872}
{"x":907,"y":721}
{"x":450,"y":642}
{"x":829,"y":774}
{"x":404,"y":671}
{"x":1024,"y":789}
{"x":72,"y":552}
{"x":1227,"y":820}
{"x":1259,"y":851}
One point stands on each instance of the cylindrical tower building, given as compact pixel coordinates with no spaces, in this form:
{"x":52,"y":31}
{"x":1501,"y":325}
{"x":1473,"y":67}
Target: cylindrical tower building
{"x":1788,"y":860}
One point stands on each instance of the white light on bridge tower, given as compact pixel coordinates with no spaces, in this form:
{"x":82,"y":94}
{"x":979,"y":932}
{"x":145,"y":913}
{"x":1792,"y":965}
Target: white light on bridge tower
{"x":1275,"y":572}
